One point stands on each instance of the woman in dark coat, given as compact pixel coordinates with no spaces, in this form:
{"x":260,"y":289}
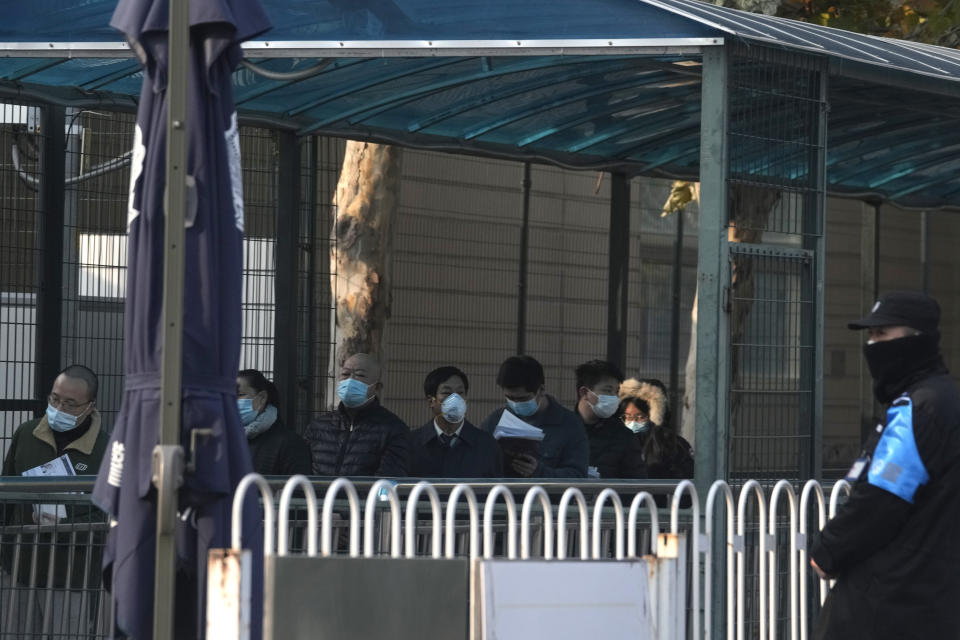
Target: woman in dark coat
{"x":646,"y":412}
{"x":275,"y":449}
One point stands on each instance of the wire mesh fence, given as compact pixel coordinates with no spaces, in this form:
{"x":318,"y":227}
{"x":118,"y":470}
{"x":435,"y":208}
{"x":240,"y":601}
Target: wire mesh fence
{"x":776,"y":102}
{"x":89,"y":249}
{"x":776,"y":196}
{"x":258,"y":148}
{"x":20,"y":210}
{"x":94,"y":262}
{"x":321,"y":159}
{"x":770,"y":388}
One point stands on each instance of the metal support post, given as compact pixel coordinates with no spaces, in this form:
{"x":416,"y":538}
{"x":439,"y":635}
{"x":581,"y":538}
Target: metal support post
{"x":869,"y":291}
{"x":168,"y":467}
{"x":524,"y":256}
{"x":618,"y":270}
{"x":49,"y":236}
{"x":712,"y":279}
{"x":310,"y":214}
{"x":712,"y":283}
{"x":287,"y":260}
{"x":167,"y":471}
{"x":812,"y":322}
{"x":71,"y":350}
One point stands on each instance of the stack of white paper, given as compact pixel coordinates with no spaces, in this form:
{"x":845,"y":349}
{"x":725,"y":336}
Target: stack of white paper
{"x":57,"y":467}
{"x":510,"y":426}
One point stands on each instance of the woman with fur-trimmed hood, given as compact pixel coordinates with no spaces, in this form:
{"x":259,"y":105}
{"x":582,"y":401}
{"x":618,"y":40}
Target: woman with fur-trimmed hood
{"x":645,"y":410}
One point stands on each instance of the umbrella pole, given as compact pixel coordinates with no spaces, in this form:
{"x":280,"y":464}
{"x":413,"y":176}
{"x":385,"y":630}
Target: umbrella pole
{"x":168,"y":456}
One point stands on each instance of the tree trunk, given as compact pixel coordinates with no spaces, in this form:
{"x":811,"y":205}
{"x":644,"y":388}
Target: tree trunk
{"x":366,"y":201}
{"x":749,"y":211}
{"x":749,"y":208}
{"x":688,"y":427}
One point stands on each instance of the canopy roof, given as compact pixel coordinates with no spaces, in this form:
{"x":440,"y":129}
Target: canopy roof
{"x":607,"y":83}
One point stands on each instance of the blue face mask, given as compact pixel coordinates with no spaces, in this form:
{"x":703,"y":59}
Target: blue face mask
{"x":247,"y":413}
{"x":637,"y":426}
{"x":352,"y":392}
{"x":60,"y":421}
{"x":524,"y":409}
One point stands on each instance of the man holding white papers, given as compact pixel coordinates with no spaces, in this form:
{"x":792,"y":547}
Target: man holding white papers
{"x":67,"y":440}
{"x":70,"y":425}
{"x":614,"y":450}
{"x":557,"y":448}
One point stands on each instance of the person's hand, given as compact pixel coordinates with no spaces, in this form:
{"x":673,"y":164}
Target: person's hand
{"x":524,"y":465}
{"x":818,"y":570}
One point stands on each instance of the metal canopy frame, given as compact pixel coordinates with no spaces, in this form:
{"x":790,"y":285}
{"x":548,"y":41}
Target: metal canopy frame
{"x":386,"y":48}
{"x":915,"y":176}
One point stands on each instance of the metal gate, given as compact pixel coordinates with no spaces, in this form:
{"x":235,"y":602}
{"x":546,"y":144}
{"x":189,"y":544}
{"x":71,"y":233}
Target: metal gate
{"x":761,"y":271}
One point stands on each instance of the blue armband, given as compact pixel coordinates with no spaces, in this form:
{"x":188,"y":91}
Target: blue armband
{"x":896,"y":465}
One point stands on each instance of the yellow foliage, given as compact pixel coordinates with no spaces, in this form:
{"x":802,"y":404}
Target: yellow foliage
{"x":681,"y":194}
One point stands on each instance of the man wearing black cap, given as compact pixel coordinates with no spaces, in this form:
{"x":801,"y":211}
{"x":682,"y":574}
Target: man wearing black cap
{"x":892,"y":547}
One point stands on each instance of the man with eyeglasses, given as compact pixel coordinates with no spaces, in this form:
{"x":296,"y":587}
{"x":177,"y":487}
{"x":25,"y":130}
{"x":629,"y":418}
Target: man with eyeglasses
{"x":70,"y":425}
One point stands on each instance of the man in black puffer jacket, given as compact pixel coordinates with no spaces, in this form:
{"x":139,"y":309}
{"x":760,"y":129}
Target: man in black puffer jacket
{"x":893,"y":545}
{"x":360,"y":438}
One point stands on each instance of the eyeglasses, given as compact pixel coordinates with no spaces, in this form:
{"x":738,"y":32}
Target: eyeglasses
{"x":59,"y":403}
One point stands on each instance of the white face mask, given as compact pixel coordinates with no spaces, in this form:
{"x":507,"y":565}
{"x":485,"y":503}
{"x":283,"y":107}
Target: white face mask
{"x":453,"y":408}
{"x":606,"y":406}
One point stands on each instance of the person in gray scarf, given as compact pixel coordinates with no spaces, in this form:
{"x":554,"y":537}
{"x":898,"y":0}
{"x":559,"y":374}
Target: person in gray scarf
{"x":276,"y":449}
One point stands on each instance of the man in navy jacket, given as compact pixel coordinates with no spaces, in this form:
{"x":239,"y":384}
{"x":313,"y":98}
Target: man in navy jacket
{"x":448,"y":446}
{"x":564,"y":451}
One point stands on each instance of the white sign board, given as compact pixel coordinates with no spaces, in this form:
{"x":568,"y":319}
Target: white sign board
{"x":560,"y":599}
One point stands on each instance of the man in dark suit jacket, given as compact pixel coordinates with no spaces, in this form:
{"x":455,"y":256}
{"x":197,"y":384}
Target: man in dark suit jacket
{"x":448,"y":446}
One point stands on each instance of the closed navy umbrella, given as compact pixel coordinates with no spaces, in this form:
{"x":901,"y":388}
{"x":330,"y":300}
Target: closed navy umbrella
{"x":211,"y":321}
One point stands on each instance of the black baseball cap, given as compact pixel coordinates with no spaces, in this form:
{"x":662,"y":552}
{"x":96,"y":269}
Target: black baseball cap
{"x":903,"y":309}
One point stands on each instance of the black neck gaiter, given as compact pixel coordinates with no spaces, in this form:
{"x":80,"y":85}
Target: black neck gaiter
{"x":895,"y":364}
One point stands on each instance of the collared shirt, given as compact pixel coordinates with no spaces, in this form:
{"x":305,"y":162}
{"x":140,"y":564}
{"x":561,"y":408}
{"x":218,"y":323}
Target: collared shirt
{"x":455,"y":436}
{"x":476,"y":454}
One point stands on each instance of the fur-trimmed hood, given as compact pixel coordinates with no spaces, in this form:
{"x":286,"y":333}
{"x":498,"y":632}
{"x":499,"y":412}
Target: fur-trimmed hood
{"x":649,"y":393}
